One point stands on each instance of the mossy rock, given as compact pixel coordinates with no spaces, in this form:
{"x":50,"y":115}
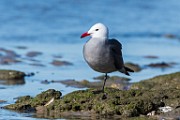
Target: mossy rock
{"x":11,"y":75}
{"x":160,"y":82}
{"x":40,"y":100}
{"x":113,"y":103}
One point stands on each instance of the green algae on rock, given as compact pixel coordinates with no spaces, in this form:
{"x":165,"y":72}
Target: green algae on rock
{"x":113,"y":103}
{"x":26,"y":103}
{"x":116,"y":103}
{"x":159,"y":82}
{"x":11,"y":75}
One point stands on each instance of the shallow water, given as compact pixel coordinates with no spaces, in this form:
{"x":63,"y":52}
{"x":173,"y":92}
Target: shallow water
{"x":54,"y":28}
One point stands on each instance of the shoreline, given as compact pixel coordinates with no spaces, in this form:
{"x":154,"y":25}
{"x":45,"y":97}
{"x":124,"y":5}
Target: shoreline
{"x":138,"y":92}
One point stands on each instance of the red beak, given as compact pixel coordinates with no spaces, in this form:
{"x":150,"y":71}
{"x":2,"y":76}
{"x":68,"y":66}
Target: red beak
{"x":85,"y":34}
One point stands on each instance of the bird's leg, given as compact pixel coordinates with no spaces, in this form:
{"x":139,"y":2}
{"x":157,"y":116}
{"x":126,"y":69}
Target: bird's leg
{"x":105,"y":78}
{"x":102,"y":90}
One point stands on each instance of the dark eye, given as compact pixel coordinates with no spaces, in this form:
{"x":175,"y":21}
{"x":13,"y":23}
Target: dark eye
{"x":96,"y":29}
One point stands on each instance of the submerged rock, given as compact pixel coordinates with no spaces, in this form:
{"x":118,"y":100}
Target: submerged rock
{"x":113,"y":82}
{"x":161,"y":65}
{"x":22,"y":47}
{"x":140,"y":100}
{"x":3,"y":101}
{"x":151,"y":56}
{"x":8,"y":57}
{"x":8,"y":60}
{"x":171,"y":36}
{"x":60,"y":63}
{"x":33,"y":54}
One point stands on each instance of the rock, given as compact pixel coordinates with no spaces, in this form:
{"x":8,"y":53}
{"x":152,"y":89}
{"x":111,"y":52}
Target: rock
{"x":140,"y":100}
{"x":8,"y":60}
{"x":161,"y":65}
{"x":8,"y":57}
{"x":21,"y":47}
{"x":9,"y":53}
{"x":133,"y":66}
{"x":172,"y":115}
{"x":113,"y":82}
{"x":60,"y":63}
{"x":37,"y":64}
{"x":161,"y":82}
{"x":171,"y":36}
{"x":151,"y":56}
{"x":3,"y":101}
{"x":117,"y":103}
{"x":33,"y":54}
{"x":11,"y":75}
{"x":27,"y":103}
{"x":112,"y":78}
{"x":57,"y":56}
{"x":30,"y":74}
{"x":45,"y":82}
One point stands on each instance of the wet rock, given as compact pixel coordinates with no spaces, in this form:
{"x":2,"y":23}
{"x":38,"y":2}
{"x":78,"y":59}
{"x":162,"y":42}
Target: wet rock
{"x":33,"y":54}
{"x":33,"y":60}
{"x":8,"y":57}
{"x":133,"y":66}
{"x":112,"y":78}
{"x":3,"y":101}
{"x":8,"y":60}
{"x":57,"y":56}
{"x":21,"y":47}
{"x":113,"y":82}
{"x":171,"y":36}
{"x":37,"y":64}
{"x":173,"y":115}
{"x":60,"y":63}
{"x":161,"y":65}
{"x":11,"y":75}
{"x":44,"y":97}
{"x":161,"y":82}
{"x":27,"y":103}
{"x":30,"y":74}
{"x":119,"y":103}
{"x":45,"y":82}
{"x":9,"y":53}
{"x":140,"y":100}
{"x":151,"y":57}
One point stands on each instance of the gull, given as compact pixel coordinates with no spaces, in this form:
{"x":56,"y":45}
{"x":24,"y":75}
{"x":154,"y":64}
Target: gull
{"x":103,"y":54}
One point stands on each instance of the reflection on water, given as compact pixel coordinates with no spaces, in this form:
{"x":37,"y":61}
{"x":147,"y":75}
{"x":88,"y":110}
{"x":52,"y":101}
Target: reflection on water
{"x":12,"y":82}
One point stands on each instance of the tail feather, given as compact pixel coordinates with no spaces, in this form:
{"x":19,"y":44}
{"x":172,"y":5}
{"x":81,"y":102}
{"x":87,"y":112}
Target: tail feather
{"x":125,"y":70}
{"x":128,"y":69}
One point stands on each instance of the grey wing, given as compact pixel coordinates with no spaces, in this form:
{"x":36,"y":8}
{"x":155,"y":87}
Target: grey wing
{"x":115,"y":49}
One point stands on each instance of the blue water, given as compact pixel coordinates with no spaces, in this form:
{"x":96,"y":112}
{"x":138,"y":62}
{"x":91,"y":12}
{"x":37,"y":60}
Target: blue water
{"x":53,"y":27}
